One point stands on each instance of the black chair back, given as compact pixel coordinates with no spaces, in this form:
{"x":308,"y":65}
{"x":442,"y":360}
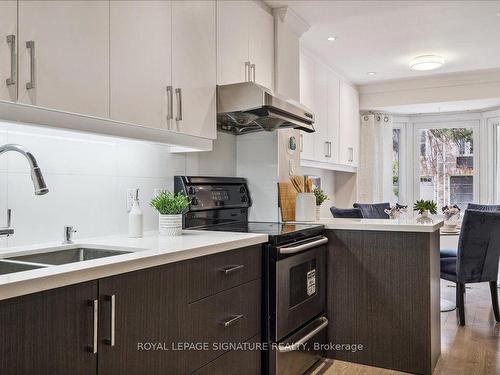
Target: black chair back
{"x":373,"y":210}
{"x":483,"y":207}
{"x":346,"y":213}
{"x":479,"y":247}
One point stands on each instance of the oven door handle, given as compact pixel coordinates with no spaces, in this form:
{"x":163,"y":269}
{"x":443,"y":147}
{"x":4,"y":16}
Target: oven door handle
{"x":302,"y":247}
{"x":284,"y":348}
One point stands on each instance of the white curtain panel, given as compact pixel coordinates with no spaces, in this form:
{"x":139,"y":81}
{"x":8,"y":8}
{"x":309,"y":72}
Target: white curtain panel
{"x":375,"y":159}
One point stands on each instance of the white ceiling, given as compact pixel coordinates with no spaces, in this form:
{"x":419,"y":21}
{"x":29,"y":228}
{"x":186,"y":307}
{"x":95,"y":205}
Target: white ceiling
{"x":382,"y":36}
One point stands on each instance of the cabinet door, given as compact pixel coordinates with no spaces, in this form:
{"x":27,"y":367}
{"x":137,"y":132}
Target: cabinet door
{"x":333,"y":117}
{"x":321,"y":148}
{"x":349,"y":125}
{"x":68,"y":66}
{"x":8,"y":50}
{"x":261,"y":45}
{"x":149,"y":306}
{"x":49,"y":333}
{"x":232,"y":41}
{"x":307,"y":99}
{"x":194,"y":67}
{"x":140,"y":62}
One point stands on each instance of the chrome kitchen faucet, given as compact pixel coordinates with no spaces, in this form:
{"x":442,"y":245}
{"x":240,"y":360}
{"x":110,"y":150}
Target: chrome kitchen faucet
{"x":36,"y":177}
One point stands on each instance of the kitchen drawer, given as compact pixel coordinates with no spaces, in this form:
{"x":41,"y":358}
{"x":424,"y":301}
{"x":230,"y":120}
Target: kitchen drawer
{"x":215,"y":273}
{"x":232,"y":316}
{"x":236,"y":362}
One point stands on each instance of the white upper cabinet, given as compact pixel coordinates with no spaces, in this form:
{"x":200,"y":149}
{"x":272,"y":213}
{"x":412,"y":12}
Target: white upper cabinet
{"x":140,"y":62}
{"x":307,"y":99}
{"x":349,"y":125}
{"x":8,"y":50}
{"x":64,"y":55}
{"x":194,"y":67}
{"x":245,"y":43}
{"x":334,"y":144}
{"x":261,"y":46}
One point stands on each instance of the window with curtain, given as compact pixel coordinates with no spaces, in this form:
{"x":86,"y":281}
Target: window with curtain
{"x":396,"y":138}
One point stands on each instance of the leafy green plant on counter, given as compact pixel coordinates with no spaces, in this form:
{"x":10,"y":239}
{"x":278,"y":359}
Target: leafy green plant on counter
{"x":167,"y":203}
{"x":320,"y":196}
{"x":422,"y":205}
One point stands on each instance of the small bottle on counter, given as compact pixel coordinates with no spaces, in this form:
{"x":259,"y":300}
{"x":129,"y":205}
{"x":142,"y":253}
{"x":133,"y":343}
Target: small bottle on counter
{"x":135,"y":218}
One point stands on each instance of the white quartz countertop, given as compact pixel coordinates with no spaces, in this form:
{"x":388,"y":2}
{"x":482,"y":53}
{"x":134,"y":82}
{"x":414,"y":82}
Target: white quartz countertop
{"x":395,"y":225}
{"x":149,"y":251}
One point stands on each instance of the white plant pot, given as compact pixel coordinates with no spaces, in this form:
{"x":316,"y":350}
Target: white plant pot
{"x":425,"y":214}
{"x":318,"y":213}
{"x":170,"y":225}
{"x":305,"y":207}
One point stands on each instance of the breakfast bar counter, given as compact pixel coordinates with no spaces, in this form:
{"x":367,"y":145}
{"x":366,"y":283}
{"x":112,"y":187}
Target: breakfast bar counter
{"x":383,"y":292}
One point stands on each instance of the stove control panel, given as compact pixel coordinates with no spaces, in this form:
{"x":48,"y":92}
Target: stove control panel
{"x":206,"y":193}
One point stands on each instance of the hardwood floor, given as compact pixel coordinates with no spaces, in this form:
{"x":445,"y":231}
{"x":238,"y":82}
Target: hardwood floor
{"x":470,"y":350}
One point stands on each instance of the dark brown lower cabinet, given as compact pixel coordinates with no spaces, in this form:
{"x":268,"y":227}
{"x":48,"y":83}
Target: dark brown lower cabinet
{"x":246,"y":361}
{"x":138,"y":323}
{"x":150,"y":313}
{"x":49,"y":333}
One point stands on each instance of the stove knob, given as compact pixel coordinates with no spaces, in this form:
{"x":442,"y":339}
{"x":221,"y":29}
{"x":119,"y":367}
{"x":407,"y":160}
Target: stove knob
{"x":242,"y":190}
{"x":194,"y":202}
{"x":244,"y":198}
{"x":191,"y":190}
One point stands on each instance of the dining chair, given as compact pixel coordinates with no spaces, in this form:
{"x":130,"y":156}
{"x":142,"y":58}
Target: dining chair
{"x":346,"y":213}
{"x":477,"y":257}
{"x":373,"y":210}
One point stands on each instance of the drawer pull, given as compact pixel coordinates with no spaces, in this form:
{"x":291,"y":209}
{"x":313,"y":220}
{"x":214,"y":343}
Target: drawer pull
{"x":284,"y":348}
{"x":95,"y":312}
{"x":231,"y":269}
{"x":232,"y":320}
{"x":112,"y":320}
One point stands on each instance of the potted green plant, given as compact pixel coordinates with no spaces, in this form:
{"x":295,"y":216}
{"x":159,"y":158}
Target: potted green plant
{"x":170,"y":208}
{"x":424,"y":207}
{"x":320,"y":198}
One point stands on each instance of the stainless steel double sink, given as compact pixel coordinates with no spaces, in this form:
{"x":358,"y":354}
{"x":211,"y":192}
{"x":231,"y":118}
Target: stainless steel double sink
{"x":47,"y":257}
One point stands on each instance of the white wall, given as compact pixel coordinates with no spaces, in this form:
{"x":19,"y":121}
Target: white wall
{"x":87,"y":176}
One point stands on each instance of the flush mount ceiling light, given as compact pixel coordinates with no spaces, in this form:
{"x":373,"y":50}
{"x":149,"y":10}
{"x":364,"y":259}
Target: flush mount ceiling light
{"x":371,"y":73}
{"x":426,"y":62}
{"x":332,"y":38}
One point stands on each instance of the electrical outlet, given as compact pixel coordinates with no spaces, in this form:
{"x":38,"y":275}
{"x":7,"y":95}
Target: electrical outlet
{"x":130,"y":198}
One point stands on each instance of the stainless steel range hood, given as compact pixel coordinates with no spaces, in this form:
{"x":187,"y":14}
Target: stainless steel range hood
{"x":247,"y":107}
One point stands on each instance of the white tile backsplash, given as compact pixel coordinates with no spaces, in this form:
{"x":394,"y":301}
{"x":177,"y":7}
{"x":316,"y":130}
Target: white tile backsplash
{"x":88,"y":176}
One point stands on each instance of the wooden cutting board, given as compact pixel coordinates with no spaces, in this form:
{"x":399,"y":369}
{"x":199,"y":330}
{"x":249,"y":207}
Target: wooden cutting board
{"x":286,"y":200}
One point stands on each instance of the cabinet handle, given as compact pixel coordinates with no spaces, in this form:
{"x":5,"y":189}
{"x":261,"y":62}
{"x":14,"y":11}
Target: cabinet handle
{"x":328,"y":153}
{"x":95,"y":308}
{"x":301,"y":142}
{"x":252,"y":67}
{"x":11,"y":41}
{"x":232,"y":320}
{"x":112,"y":321}
{"x":178,"y":92}
{"x":351,"y":154}
{"x":170,"y":105}
{"x":30,"y":44}
{"x":247,"y":71}
{"x":231,"y":269}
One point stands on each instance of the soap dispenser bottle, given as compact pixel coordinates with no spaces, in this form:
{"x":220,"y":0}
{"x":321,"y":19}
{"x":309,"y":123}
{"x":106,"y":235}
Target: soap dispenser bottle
{"x":135,"y":218}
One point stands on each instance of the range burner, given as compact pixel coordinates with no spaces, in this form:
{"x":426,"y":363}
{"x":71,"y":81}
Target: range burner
{"x":278,"y":232}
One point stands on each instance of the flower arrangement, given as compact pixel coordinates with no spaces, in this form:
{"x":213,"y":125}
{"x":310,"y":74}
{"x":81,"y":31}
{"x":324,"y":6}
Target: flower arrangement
{"x":424,"y":207}
{"x":450,"y":211}
{"x":396,"y":211}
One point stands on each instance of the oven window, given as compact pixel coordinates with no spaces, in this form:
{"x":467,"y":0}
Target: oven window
{"x":303,"y":282}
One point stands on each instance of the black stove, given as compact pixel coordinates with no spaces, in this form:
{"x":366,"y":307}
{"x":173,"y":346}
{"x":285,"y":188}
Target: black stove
{"x":293,"y":270}
{"x":222,"y":203}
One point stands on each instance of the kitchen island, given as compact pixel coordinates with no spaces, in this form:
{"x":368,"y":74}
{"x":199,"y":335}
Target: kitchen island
{"x":383,"y":293}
